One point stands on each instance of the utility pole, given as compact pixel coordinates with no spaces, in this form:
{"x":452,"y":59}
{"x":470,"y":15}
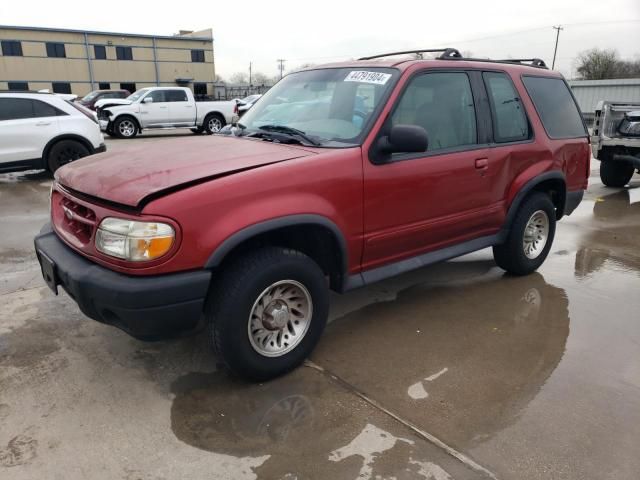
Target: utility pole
{"x":250,"y":82}
{"x":557,"y":29}
{"x":281,"y":66}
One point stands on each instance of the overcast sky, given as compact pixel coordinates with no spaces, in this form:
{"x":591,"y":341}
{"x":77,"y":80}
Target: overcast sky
{"x":306,"y":31}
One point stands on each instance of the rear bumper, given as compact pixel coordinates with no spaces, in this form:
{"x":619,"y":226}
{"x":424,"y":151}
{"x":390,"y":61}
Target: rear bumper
{"x":101,"y":149}
{"x":145,"y":307}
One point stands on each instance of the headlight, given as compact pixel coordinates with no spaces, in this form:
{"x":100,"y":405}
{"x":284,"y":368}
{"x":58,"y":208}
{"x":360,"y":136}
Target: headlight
{"x":134,"y":241}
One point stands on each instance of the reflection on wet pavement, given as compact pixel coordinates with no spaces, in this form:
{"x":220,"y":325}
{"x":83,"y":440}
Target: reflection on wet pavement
{"x":302,"y":427}
{"x":614,"y":238}
{"x":493,"y":351}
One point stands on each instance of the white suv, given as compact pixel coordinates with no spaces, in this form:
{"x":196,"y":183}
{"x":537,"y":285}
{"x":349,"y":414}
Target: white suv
{"x":45,"y":131}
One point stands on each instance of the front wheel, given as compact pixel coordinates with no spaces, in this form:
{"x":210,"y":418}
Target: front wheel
{"x":125,"y":127}
{"x":63,"y":152}
{"x":213,"y":123}
{"x":615,"y":174}
{"x":530,"y":236}
{"x":268,"y":312}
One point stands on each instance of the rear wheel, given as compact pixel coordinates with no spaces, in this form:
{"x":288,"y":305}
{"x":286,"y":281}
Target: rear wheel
{"x":615,"y":174}
{"x":268,"y":312}
{"x":213,"y":123}
{"x":63,"y":152}
{"x":125,"y":127}
{"x":530,"y":236}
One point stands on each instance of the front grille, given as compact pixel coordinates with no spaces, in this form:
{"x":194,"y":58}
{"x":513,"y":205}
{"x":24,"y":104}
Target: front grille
{"x":103,"y":114}
{"x":76,"y":222}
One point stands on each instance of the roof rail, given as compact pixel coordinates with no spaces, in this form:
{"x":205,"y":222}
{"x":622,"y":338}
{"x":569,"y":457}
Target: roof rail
{"x":535,"y":62}
{"x":446,"y":53}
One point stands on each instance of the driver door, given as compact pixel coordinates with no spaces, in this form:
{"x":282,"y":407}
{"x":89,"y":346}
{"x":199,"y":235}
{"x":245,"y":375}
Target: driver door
{"x":154,"y":109}
{"x":420,"y":202}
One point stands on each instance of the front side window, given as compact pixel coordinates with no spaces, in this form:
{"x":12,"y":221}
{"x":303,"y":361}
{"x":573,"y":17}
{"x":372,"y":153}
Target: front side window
{"x":442,"y":104}
{"x":509,"y":120}
{"x":557,"y":109}
{"x":323,"y":103}
{"x":11,"y":48}
{"x":159,"y":96}
{"x":56,"y":50}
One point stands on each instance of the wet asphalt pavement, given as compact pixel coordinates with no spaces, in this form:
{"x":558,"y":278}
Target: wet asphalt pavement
{"x":456,"y":371}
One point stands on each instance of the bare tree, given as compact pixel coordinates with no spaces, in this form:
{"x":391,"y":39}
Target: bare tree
{"x":598,"y":64}
{"x":260,"y":78}
{"x":239,"y":78}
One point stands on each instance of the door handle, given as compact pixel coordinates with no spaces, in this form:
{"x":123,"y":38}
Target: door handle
{"x":42,"y":124}
{"x":482,"y":163}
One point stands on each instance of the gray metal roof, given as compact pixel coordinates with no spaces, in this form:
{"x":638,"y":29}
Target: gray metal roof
{"x":589,"y":92}
{"x":93,"y":32}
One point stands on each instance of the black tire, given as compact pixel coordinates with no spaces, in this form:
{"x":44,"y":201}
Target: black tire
{"x":125,"y":127}
{"x":197,"y":131}
{"x":511,"y":255}
{"x":213,"y":123}
{"x":231,"y":302}
{"x":63,"y":152}
{"x":615,"y":174}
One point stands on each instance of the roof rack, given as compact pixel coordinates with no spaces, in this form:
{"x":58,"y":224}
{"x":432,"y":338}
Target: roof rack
{"x":446,"y":53}
{"x":535,"y":62}
{"x":454,"y":54}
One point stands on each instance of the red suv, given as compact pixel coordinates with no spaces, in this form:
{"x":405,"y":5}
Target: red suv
{"x":341,"y":176}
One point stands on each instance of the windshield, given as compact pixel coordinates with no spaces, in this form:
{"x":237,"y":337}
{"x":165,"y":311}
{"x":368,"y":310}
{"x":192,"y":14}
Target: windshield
{"x":331,"y":105}
{"x":136,"y":95}
{"x":90,"y":96}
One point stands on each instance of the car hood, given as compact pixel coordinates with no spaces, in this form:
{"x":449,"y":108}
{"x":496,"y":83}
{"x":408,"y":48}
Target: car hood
{"x":107,"y":102}
{"x":145,"y":168}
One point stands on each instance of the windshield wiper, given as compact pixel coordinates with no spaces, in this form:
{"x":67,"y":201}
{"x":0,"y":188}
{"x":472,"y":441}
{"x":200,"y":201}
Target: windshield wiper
{"x":289,"y":131}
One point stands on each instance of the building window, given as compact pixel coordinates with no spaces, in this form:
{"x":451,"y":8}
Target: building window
{"x":11,"y":48}
{"x":129,"y":87}
{"x":55,"y":50}
{"x":61,"y":87}
{"x":197,"y":56}
{"x":18,"y":86}
{"x":100,"y":52}
{"x":104,"y":86}
{"x":124,"y":53}
{"x":200,"y":88}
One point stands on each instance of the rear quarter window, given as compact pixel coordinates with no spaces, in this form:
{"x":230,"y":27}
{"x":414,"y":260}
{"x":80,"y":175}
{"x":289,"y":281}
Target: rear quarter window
{"x":555,"y":106}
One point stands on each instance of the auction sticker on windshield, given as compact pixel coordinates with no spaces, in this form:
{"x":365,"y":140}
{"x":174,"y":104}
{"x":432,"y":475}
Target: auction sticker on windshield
{"x":377,"y":78}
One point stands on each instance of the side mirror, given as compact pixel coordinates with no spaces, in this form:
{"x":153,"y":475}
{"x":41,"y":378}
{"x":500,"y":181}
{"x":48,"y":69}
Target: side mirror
{"x":148,"y":99}
{"x":405,"y":139}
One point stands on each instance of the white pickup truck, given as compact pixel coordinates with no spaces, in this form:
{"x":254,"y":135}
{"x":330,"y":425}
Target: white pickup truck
{"x":162,"y":107}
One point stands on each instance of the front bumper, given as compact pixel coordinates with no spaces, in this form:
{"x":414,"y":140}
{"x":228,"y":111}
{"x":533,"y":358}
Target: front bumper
{"x":101,"y":149}
{"x":103,"y":125}
{"x":145,"y":307}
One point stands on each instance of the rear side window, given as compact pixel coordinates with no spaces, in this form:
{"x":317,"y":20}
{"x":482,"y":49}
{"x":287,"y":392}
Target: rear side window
{"x":41,"y":109}
{"x":555,"y":106}
{"x":176,"y":96}
{"x":509,"y":120}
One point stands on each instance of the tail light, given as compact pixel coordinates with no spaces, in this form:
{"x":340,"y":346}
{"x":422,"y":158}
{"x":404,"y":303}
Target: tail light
{"x":235,"y":108}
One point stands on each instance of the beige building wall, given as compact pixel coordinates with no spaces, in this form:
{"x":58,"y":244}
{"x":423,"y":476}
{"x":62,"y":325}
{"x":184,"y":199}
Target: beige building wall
{"x":157,"y":60}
